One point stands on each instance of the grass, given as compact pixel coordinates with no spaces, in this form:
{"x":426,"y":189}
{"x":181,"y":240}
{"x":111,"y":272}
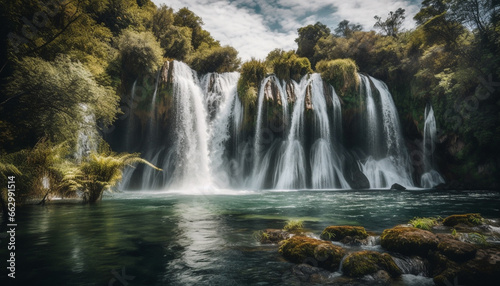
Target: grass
{"x":425,"y":223}
{"x":294,"y":225}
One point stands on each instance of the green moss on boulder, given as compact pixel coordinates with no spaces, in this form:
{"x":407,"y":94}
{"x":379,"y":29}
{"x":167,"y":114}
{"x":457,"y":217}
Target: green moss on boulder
{"x":471,"y":219}
{"x":409,"y":240}
{"x":337,"y":233}
{"x":363,"y":263}
{"x":302,"y":249}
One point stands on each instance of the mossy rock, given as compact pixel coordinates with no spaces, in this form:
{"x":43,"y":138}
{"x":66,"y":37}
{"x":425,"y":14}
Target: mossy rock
{"x":272,"y":236}
{"x":466,"y":219}
{"x":338,"y":233}
{"x":363,"y":263}
{"x":409,"y":240}
{"x":302,"y":249}
{"x":457,"y":250}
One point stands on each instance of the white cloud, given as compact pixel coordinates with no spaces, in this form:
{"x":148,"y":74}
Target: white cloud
{"x":254,"y":34}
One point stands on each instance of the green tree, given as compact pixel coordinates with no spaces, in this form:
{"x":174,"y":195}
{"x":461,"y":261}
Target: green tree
{"x":341,"y":74}
{"x":49,"y":97}
{"x":140,"y":53}
{"x":308,"y":37}
{"x":392,"y":25}
{"x":186,"y":18}
{"x":217,"y":59}
{"x":345,"y":29}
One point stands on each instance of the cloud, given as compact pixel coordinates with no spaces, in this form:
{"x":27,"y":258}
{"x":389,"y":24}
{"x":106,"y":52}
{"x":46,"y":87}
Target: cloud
{"x":255,"y":27}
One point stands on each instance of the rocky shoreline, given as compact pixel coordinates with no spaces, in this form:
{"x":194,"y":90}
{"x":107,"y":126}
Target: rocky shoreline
{"x":461,"y":249}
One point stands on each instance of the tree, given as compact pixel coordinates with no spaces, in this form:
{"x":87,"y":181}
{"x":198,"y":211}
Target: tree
{"x":308,"y":37}
{"x":48,"y":96}
{"x":392,"y":25}
{"x":344,"y":29}
{"x":140,"y":53}
{"x":186,"y":18}
{"x":341,"y":74}
{"x":217,"y":59}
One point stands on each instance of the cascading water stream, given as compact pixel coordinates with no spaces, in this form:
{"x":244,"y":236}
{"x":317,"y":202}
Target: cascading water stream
{"x":395,"y":165}
{"x":431,"y":177}
{"x":87,"y":134}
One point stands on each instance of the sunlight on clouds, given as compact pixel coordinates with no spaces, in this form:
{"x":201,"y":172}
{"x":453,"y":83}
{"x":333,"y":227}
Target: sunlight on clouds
{"x":255,"y":27}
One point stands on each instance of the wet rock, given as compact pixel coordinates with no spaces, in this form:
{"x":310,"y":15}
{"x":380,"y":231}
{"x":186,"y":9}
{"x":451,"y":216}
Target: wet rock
{"x":472,"y":219}
{"x":409,"y":240}
{"x":302,"y":249}
{"x":273,"y":236}
{"x":344,"y":232}
{"x":397,"y":187}
{"x":363,"y":263}
{"x":457,"y":250}
{"x":483,"y":269}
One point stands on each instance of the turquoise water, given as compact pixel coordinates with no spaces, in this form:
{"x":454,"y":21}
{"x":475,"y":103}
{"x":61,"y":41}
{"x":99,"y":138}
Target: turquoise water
{"x":205,"y":239}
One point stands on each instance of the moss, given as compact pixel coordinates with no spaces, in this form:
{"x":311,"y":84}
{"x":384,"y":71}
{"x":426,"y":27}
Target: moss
{"x":471,"y":219}
{"x":337,"y":233}
{"x":409,"y":240}
{"x":362,"y":263}
{"x":301,"y":249}
{"x":342,"y":74}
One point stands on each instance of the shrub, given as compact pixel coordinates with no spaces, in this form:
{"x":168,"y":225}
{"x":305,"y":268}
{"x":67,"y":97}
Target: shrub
{"x":425,"y":223}
{"x":252,"y":73}
{"x":341,"y":73}
{"x":294,"y":225}
{"x":215,"y":59}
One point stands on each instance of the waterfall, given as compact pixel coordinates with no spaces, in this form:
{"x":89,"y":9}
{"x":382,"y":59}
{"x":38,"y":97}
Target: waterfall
{"x":393,"y":165}
{"x":290,"y":171}
{"x":194,"y":131}
{"x":87,"y":138}
{"x":223,"y":90}
{"x":431,"y":177}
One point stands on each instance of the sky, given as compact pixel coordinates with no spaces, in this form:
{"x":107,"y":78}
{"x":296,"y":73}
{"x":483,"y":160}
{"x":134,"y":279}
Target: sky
{"x":256,"y":27}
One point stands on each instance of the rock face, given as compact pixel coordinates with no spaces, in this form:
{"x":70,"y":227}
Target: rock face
{"x":363,"y":263}
{"x":409,"y":240}
{"x":339,"y":233}
{"x":465,"y":219}
{"x":302,"y":249}
{"x":397,"y":187}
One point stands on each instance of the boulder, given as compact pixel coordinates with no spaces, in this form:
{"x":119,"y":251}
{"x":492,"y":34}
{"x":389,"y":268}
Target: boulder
{"x":457,"y":250}
{"x":397,"y":187}
{"x":363,"y":263}
{"x":273,"y":236}
{"x":339,"y":233}
{"x":409,"y":240}
{"x":483,"y":269}
{"x":320,"y":253}
{"x":465,"y":219}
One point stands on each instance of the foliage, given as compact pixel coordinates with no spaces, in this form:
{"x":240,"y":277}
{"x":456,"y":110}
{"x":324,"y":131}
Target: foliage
{"x":308,"y":37}
{"x":49,"y":95}
{"x":392,"y":25}
{"x":344,"y":29}
{"x":99,"y":173}
{"x":140,"y":53}
{"x":294,"y":225}
{"x":288,"y":65}
{"x":252,"y":73}
{"x":341,"y":73}
{"x":217,"y":59}
{"x":425,"y":223}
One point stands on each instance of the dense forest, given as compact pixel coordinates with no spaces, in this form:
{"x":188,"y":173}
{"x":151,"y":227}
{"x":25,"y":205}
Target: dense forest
{"x":61,"y":57}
